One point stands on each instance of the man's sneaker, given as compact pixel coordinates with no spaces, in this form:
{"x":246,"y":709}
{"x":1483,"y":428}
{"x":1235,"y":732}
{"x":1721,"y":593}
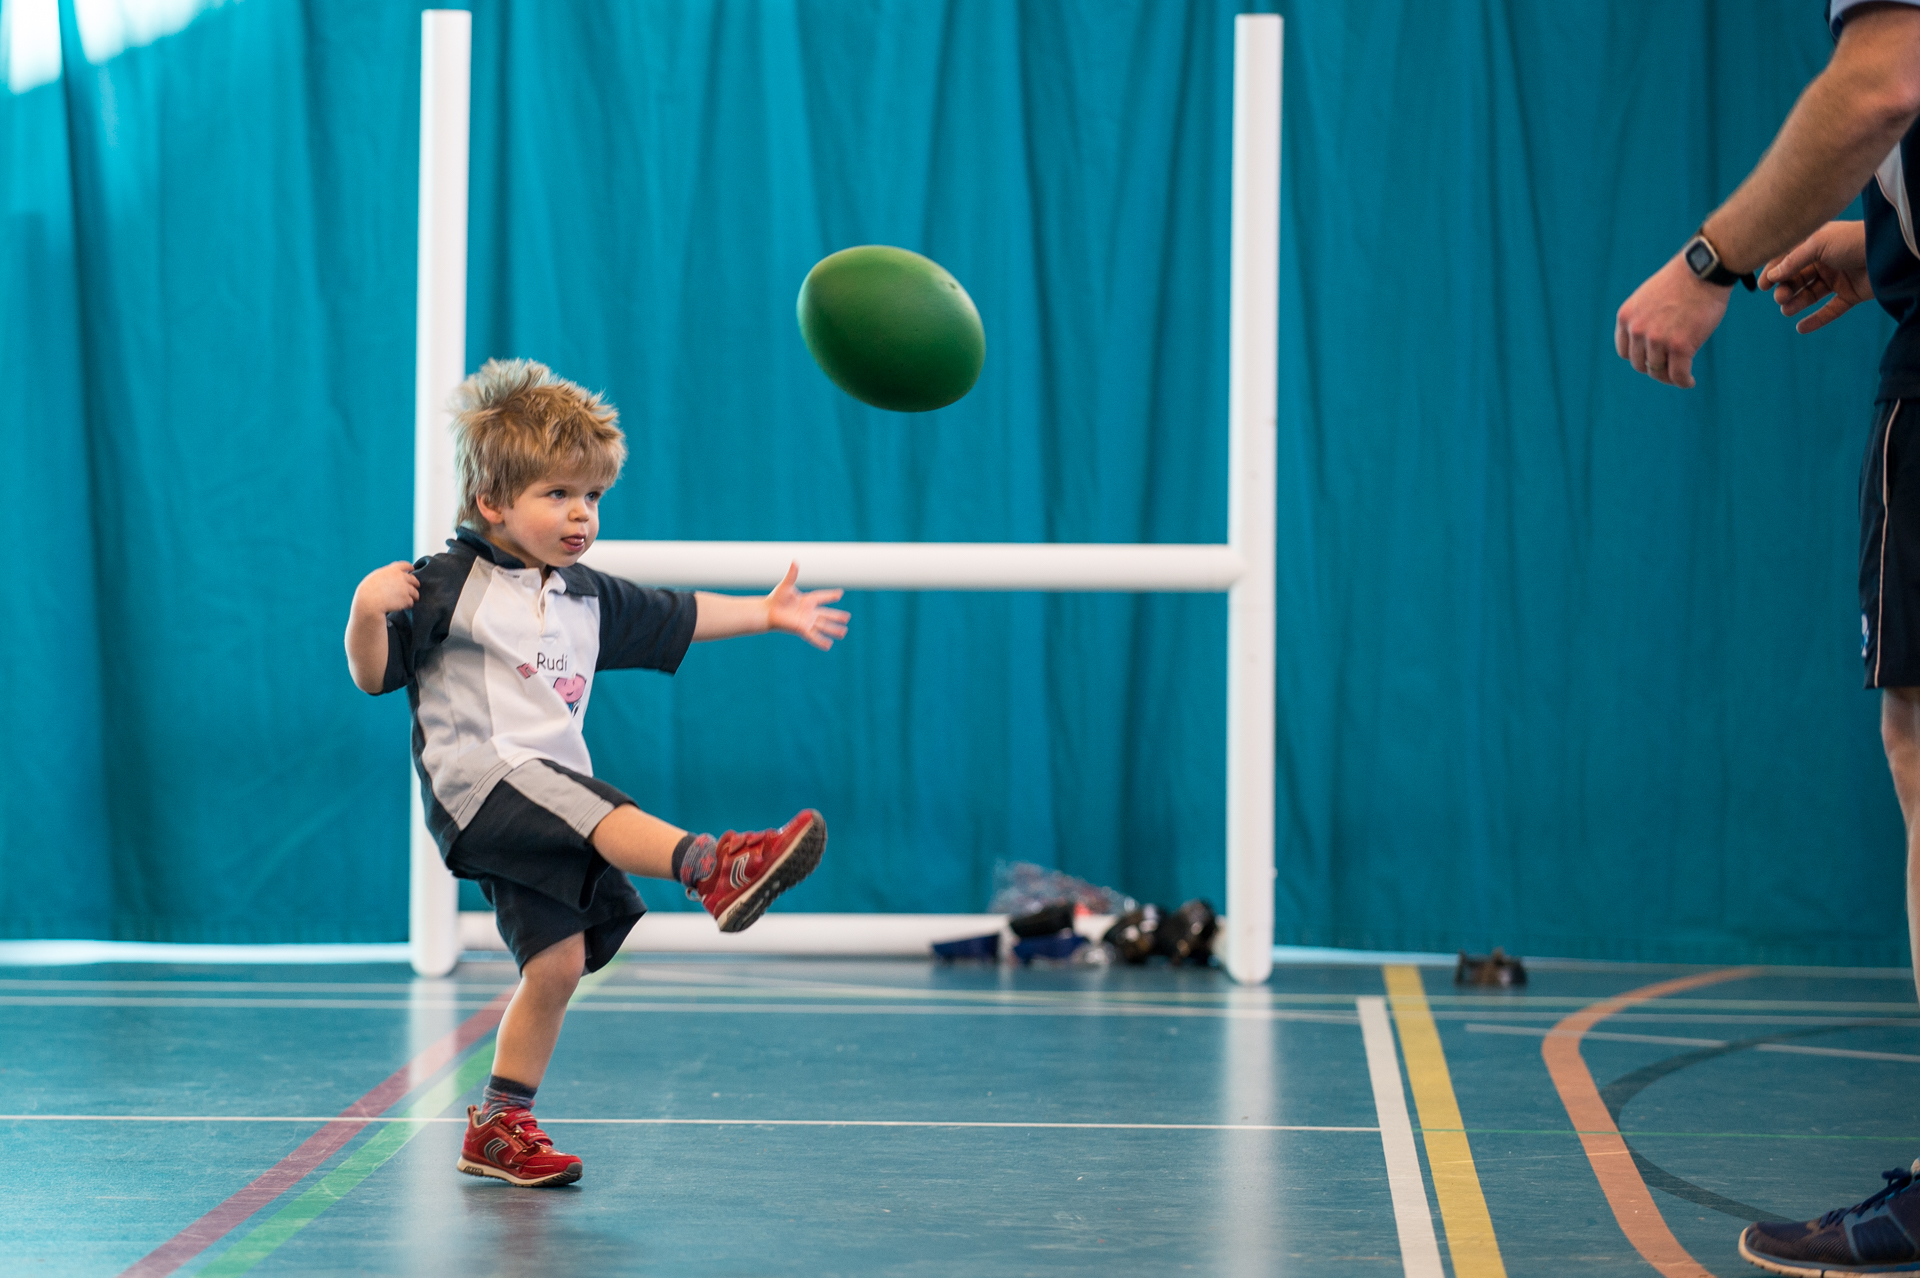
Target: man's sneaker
{"x":510,"y":1146}
{"x":743,"y":874}
{"x":1878,"y":1236}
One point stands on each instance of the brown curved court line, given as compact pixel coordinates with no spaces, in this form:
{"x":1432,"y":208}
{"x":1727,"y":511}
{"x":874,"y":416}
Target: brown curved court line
{"x":1632,"y":1203}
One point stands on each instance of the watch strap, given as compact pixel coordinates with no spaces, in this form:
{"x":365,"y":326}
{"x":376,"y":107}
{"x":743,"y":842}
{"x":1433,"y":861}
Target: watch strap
{"x":1718,"y":273}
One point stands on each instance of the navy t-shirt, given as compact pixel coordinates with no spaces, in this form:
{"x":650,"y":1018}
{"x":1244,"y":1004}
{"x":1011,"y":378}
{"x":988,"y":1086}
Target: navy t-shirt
{"x":1893,"y":253}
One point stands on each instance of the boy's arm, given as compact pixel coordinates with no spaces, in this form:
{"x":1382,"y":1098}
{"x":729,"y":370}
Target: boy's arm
{"x":788,"y":608}
{"x":384,"y":590}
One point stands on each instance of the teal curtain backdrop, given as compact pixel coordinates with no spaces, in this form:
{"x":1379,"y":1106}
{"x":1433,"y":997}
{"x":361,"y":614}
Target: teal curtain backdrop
{"x":1567,"y":660}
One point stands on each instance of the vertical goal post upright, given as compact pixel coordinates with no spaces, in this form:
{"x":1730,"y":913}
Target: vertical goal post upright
{"x":440,"y":359}
{"x":1243,"y":566}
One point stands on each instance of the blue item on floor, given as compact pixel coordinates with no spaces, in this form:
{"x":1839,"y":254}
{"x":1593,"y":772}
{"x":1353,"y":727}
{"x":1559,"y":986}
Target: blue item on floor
{"x":973,"y":947}
{"x":1060,"y":945}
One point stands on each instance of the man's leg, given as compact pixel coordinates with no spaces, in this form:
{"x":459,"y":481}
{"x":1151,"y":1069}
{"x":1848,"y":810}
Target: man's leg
{"x":1900,"y":733}
{"x":531,"y":1025}
{"x":1878,"y":1233}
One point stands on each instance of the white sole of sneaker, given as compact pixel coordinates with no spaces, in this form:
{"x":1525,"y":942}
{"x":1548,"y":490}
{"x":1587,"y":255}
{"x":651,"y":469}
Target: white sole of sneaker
{"x":798,"y":862}
{"x":1797,"y":1270}
{"x":472,"y":1168}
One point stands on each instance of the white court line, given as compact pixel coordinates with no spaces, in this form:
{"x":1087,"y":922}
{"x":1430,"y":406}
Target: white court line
{"x":625,"y":1005}
{"x":1848,"y":1052}
{"x":673,"y":988}
{"x":1419,"y":1249}
{"x":687,"y":1122}
{"x":259,"y":987}
{"x":1529,"y":1031}
{"x":1795,"y":1049}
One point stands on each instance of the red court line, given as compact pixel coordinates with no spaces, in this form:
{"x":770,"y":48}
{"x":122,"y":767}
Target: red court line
{"x":1620,"y":1180}
{"x":316,"y":1149}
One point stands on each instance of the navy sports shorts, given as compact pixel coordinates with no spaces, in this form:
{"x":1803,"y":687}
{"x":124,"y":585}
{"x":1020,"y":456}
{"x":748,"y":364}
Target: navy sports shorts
{"x":528,"y":847}
{"x":1890,"y":548}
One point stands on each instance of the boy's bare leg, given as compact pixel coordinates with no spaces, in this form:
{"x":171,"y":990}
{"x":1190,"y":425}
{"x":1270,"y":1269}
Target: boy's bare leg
{"x":531,"y":1025}
{"x":1900,"y":733}
{"x":637,"y":843}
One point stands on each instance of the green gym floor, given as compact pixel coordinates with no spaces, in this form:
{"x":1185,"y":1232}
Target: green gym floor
{"x":892,"y":1117}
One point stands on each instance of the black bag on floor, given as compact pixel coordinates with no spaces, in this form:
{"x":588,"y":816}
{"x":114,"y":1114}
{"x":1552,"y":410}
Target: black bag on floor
{"x":1132,"y":935}
{"x":1045,"y":921}
{"x":1186,"y":935}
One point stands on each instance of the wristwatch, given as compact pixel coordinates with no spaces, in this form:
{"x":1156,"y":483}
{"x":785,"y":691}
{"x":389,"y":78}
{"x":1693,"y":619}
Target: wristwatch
{"x":1703,"y":259}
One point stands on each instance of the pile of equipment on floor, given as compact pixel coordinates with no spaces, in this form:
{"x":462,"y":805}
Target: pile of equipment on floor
{"x":1042,"y":906}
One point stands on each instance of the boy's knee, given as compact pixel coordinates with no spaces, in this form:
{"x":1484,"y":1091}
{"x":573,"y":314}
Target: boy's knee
{"x":560,"y":966}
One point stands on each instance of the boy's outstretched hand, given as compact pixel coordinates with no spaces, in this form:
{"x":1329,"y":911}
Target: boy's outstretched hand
{"x":804,"y":612}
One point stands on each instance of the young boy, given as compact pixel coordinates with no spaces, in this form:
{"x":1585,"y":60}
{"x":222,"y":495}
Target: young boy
{"x":497,"y":642}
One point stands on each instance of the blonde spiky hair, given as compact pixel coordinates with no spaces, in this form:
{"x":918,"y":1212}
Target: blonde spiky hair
{"x":514,"y":422}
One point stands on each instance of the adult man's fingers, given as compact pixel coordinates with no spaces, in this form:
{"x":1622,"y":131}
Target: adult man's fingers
{"x":1679,"y":369}
{"x":1833,"y":310}
{"x":1637,"y":352}
{"x":1796,"y":261}
{"x":1620,"y":332}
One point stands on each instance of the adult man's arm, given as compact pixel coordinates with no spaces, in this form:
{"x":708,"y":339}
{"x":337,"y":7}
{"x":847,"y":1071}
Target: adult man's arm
{"x":1839,"y":131}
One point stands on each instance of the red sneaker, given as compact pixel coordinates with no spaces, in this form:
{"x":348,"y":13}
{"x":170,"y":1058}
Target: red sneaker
{"x":748,"y":870}
{"x":510,"y":1146}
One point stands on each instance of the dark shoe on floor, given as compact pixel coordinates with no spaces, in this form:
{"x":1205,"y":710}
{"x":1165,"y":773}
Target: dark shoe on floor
{"x":510,"y":1146}
{"x":1878,"y":1236}
{"x":749,"y":870}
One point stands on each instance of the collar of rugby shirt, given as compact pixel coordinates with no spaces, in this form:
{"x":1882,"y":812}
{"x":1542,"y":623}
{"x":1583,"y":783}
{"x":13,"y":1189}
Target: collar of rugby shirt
{"x":576,"y":578}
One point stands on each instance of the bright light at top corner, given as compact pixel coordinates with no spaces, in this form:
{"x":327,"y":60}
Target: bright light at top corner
{"x":30,"y":42}
{"x":30,"y":32}
{"x":110,"y":27}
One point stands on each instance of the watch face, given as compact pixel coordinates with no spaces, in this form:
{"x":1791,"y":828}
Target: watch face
{"x":1699,"y":258}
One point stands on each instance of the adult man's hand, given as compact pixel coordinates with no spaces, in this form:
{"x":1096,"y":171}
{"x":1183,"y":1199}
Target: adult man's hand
{"x":1832,"y":262}
{"x":1667,"y":320}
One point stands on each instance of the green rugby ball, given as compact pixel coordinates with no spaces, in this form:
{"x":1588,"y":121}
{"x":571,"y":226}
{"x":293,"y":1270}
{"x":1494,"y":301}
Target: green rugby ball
{"x":891,"y":328}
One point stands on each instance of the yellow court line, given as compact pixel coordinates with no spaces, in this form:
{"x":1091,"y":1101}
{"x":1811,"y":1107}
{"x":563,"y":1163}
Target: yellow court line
{"x":1463,"y":1207}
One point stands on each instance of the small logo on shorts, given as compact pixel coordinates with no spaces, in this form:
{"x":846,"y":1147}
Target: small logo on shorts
{"x":1866,"y":636}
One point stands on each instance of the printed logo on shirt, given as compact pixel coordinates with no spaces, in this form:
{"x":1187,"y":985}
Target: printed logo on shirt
{"x":555,"y":663}
{"x":526,"y":671}
{"x":571,"y":690}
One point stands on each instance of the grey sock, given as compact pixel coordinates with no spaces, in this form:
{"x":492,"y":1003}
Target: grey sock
{"x":504,"y":1093}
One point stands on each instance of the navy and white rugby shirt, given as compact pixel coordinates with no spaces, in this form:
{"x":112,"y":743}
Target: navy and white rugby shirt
{"x":1893,"y":252}
{"x":499,"y":665}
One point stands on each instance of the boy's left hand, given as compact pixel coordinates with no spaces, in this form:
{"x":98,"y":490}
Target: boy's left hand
{"x":804,"y":612}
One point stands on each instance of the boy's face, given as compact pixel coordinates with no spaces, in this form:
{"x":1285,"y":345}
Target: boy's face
{"x":551,"y":522}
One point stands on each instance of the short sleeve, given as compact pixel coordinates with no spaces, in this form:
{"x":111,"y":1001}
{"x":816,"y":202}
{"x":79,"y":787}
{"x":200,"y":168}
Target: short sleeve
{"x":1838,"y":11}
{"x":418,"y":630}
{"x":641,"y":628}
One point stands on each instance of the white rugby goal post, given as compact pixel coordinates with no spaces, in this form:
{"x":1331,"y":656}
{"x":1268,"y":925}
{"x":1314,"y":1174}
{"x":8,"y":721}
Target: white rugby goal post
{"x":1243,"y":566}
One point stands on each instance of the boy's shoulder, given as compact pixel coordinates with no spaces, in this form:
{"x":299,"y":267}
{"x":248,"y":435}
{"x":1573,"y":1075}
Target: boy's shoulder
{"x":442,"y":576}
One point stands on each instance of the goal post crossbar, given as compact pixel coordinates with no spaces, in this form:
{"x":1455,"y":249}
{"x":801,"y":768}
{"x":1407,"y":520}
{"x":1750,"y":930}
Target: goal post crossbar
{"x":924,"y":565}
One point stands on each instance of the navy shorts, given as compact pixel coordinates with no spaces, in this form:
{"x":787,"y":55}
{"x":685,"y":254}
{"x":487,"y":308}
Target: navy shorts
{"x":529,"y":849}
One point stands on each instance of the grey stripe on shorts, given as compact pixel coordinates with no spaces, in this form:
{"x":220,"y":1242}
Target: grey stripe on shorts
{"x":561,"y":795}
